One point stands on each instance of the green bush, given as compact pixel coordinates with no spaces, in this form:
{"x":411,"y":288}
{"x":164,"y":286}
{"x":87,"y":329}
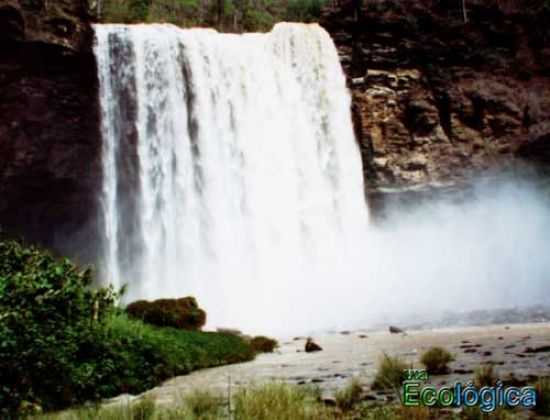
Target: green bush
{"x":49,"y":322}
{"x":436,"y":360}
{"x":152,"y":354}
{"x":63,"y":342}
{"x":225,"y":15}
{"x":304,"y":10}
{"x":181,"y":313}
{"x":262,"y":344}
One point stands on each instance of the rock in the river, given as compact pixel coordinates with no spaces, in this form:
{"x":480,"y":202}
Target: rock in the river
{"x":312,"y":346}
{"x":396,"y":330}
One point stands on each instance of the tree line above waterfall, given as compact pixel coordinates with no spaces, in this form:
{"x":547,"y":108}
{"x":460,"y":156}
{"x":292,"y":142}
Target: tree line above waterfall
{"x":225,"y":15}
{"x":260,"y":15}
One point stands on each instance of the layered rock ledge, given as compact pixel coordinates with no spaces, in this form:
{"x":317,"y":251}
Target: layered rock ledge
{"x":437,"y":100}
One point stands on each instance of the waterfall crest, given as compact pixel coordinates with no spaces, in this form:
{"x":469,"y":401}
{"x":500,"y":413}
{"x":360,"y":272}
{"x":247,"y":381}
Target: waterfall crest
{"x":231,"y":170}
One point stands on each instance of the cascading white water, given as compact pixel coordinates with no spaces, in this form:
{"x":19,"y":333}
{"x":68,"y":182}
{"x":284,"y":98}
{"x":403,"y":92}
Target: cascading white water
{"x":231,"y":171}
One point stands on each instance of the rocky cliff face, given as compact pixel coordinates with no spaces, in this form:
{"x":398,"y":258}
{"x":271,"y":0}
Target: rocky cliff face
{"x":49,"y":125}
{"x":436,"y":99}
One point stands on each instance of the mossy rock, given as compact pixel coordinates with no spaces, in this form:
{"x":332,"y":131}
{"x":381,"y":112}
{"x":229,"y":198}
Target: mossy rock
{"x":183,"y":313}
{"x":262,"y":344}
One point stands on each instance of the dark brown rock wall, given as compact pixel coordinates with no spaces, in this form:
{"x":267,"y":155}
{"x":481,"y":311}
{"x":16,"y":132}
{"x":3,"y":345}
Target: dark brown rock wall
{"x":438,"y":100}
{"x":49,"y":125}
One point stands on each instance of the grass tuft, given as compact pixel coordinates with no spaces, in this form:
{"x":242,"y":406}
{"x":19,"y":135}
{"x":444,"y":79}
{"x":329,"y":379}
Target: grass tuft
{"x":485,"y":375}
{"x":543,"y":396}
{"x":202,"y":404}
{"x":391,"y":373}
{"x":436,"y":360}
{"x":279,"y":401}
{"x":349,"y":396}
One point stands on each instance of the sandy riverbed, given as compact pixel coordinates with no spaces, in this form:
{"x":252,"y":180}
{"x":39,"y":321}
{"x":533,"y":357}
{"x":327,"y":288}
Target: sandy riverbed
{"x":356,"y":353}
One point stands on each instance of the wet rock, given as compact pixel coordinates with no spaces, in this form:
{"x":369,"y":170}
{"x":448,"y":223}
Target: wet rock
{"x":463,"y":371}
{"x":470,"y":346}
{"x":395,"y":330}
{"x":541,"y":349}
{"x":311,"y":346}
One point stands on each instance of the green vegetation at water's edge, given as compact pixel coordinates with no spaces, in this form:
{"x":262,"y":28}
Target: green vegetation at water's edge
{"x":63,"y":342}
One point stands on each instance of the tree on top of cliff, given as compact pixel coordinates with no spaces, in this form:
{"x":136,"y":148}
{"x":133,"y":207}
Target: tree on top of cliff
{"x":225,"y":15}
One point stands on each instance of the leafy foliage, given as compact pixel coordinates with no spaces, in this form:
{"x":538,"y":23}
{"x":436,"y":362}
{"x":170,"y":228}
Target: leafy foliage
{"x":63,"y":342}
{"x":225,"y":15}
{"x":49,"y":319}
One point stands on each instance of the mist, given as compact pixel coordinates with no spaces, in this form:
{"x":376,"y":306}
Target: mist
{"x":483,"y":248}
{"x":254,"y":203}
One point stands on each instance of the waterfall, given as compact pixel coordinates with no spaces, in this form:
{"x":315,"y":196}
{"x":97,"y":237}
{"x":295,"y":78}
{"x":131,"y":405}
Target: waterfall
{"x":231,"y":171}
